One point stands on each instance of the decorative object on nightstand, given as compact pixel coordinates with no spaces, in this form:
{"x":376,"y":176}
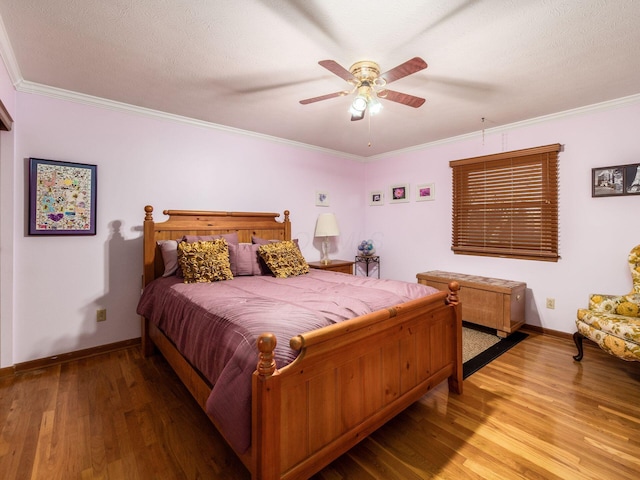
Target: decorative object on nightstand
{"x":368,"y":260}
{"x":326,"y":226}
{"x":366,"y":248}
{"x":341,"y":266}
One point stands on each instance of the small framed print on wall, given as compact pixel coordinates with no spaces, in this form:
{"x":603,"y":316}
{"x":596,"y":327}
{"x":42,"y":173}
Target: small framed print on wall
{"x":376,"y":198}
{"x":399,"y":193}
{"x":426,"y":191}
{"x":62,"y":198}
{"x":322,"y":199}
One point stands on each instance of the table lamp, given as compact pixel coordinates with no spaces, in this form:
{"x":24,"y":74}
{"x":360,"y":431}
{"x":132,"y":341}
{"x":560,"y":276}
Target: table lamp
{"x":326,"y":226}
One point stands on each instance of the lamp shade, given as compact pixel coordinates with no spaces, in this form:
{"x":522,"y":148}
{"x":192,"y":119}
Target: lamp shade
{"x":327,"y":225}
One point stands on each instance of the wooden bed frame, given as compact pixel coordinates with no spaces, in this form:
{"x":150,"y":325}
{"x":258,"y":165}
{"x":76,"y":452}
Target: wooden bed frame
{"x":348,"y":379}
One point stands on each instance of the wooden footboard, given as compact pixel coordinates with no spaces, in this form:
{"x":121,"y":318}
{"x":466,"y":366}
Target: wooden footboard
{"x":348,"y":380}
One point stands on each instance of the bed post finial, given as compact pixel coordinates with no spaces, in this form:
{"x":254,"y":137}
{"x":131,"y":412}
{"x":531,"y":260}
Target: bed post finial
{"x":148,"y":210}
{"x":452,"y":298}
{"x":266,"y":361}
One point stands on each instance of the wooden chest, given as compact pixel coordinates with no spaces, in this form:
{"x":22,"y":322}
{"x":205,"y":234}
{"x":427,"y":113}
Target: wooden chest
{"x":491,"y":302}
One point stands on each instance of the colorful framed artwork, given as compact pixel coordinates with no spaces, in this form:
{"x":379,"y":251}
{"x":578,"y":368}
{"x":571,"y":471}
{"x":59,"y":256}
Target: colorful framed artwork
{"x":376,"y":198}
{"x":322,"y":199}
{"x":62,"y":198}
{"x":425,"y":191}
{"x":399,"y":193}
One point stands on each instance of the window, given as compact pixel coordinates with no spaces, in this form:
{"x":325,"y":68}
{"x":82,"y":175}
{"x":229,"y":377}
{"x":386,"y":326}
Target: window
{"x":506,"y":205}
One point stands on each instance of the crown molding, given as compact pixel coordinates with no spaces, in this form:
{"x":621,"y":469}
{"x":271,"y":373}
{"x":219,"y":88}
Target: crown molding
{"x":11,"y":64}
{"x":596,"y":107}
{"x":53,"y":92}
{"x":62,"y":94}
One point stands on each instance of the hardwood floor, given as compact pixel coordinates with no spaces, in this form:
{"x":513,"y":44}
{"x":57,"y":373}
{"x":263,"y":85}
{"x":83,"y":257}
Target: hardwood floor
{"x":533,"y":413}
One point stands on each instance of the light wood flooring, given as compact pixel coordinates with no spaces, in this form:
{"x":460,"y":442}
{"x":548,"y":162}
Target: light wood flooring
{"x":533,"y":413}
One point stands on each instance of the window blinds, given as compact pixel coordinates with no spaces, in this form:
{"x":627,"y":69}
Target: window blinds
{"x":506,"y":205}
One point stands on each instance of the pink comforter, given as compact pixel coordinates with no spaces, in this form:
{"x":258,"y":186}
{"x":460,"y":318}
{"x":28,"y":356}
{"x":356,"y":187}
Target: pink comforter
{"x":216,"y":326}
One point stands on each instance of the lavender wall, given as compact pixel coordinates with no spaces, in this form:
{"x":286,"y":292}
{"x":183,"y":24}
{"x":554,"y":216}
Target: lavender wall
{"x":596,"y":234}
{"x":61,"y":281}
{"x":7,"y":95}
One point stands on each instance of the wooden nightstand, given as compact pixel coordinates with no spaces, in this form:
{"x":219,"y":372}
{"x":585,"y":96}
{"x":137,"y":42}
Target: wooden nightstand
{"x":342,"y":266}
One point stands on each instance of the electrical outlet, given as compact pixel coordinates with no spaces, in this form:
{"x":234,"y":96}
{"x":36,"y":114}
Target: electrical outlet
{"x":101,"y":315}
{"x":551,"y":303}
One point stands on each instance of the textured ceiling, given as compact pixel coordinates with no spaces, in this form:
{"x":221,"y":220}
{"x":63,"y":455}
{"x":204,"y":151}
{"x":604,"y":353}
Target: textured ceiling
{"x":246,"y":63}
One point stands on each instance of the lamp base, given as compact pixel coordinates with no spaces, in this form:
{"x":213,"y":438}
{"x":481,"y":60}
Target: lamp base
{"x":325,"y":251}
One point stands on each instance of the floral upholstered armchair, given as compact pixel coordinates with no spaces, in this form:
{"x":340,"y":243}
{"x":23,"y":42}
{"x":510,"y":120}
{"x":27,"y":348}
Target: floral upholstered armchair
{"x":613,"y":321}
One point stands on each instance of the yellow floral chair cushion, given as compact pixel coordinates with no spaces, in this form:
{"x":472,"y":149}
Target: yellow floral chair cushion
{"x":613,"y":321}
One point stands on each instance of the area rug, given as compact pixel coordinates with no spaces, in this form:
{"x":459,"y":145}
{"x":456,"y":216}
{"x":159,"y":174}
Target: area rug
{"x":481,"y":346}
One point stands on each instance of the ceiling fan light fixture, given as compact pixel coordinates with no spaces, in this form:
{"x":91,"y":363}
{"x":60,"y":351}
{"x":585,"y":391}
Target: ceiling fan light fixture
{"x":359,"y":104}
{"x":375,"y":106}
{"x":370,"y":86}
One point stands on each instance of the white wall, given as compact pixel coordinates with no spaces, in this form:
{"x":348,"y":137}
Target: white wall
{"x":596,"y":234}
{"x":61,"y":281}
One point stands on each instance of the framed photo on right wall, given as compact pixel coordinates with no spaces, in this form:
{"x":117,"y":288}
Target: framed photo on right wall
{"x":632,"y":179}
{"x":615,"y":181}
{"x":607,"y":181}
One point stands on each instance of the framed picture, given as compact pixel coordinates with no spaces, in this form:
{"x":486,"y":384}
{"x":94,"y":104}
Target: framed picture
{"x":426,"y":191}
{"x":322,"y":199}
{"x":632,"y":179}
{"x":62,"y":198}
{"x":376,"y":198}
{"x":607,"y":181}
{"x":399,"y":193}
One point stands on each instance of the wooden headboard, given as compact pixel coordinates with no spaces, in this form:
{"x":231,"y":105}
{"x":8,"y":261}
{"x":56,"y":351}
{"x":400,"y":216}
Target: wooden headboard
{"x":196,"y":222}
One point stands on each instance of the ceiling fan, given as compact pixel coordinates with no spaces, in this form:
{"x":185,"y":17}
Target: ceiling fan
{"x":370,"y":86}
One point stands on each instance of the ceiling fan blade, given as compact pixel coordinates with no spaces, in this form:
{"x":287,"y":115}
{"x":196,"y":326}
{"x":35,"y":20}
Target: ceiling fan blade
{"x":324,"y":97}
{"x":337,"y":69}
{"x":403,"y":98}
{"x":407,"y":68}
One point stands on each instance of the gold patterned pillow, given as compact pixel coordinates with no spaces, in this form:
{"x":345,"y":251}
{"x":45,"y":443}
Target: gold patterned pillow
{"x":284,"y":259}
{"x":203,"y":262}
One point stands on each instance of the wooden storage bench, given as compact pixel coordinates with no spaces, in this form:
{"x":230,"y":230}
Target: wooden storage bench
{"x":491,"y":302}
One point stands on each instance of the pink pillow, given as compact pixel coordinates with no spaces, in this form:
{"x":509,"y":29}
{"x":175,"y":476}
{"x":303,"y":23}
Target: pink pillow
{"x":248,"y":262}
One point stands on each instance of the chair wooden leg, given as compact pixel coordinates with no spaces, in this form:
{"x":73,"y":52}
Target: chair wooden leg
{"x":577,"y":338}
